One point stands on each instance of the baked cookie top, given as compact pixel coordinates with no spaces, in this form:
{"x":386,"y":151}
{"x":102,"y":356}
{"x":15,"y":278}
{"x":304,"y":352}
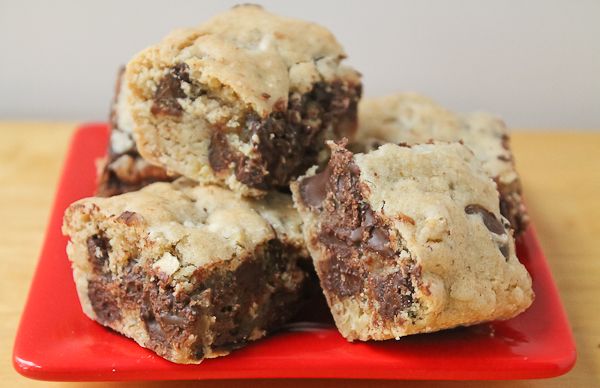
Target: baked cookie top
{"x":411,"y":118}
{"x":257,"y":56}
{"x":446,"y":209}
{"x":202,"y":224}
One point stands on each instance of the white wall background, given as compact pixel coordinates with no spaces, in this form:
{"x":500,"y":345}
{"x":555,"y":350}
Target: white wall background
{"x":536,"y":63}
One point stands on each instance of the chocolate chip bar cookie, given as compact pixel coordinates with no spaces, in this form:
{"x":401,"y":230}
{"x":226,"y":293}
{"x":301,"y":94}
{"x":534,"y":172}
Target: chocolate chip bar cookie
{"x":188,"y":271}
{"x":123,"y":169}
{"x":412,"y":119}
{"x":410,"y":240}
{"x":244,"y":100}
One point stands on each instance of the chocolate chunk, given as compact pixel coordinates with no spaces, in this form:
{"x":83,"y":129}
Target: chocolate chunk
{"x":313,"y":189}
{"x":98,"y":248}
{"x":380,"y":241}
{"x":289,"y":140}
{"x":103,"y":301}
{"x":133,"y":286}
{"x":394,"y":293}
{"x":228,"y":296}
{"x":129,"y":218}
{"x":489,"y":219}
{"x":505,"y":251}
{"x":251,"y":173}
{"x":506,"y":142}
{"x":341,"y":278}
{"x":220,"y":155}
{"x":169,"y":320}
{"x":155,"y":331}
{"x":352,"y":218}
{"x":169,"y":90}
{"x":511,"y":205}
{"x":350,"y":229}
{"x":249,"y":273}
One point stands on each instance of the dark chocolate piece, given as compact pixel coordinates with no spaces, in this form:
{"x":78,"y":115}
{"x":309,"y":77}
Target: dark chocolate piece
{"x":489,"y":219}
{"x":313,"y":189}
{"x":357,"y":239}
{"x":169,"y":90}
{"x":227,"y":296}
{"x":394,"y":293}
{"x":491,"y":223}
{"x":98,"y":248}
{"x":512,"y":207}
{"x":103,"y":301}
{"x":288,"y":141}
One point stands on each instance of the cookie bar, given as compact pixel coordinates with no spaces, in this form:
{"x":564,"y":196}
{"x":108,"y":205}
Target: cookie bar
{"x":412,"y":119}
{"x":410,"y":240}
{"x":190,"y":272}
{"x":123,"y":169}
{"x":244,"y":100}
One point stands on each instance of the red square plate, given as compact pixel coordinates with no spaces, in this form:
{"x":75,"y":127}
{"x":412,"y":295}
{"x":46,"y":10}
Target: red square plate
{"x":56,"y":341}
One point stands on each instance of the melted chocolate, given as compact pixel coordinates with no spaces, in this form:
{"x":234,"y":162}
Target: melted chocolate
{"x":504,"y":249}
{"x":231,"y":297}
{"x":313,"y":189}
{"x":356,"y":239}
{"x":342,"y":277}
{"x":101,"y":297}
{"x":169,"y":90}
{"x":511,"y":205}
{"x":349,"y":227}
{"x":98,"y":248}
{"x":288,"y":141}
{"x":394,"y":293}
{"x":103,"y":301}
{"x":129,"y":218}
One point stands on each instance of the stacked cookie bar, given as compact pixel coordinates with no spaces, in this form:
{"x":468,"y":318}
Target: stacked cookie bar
{"x":197,"y":266}
{"x":245,"y":100}
{"x":123,"y":169}
{"x":186,"y":270}
{"x":410,"y":240}
{"x":410,"y":118}
{"x":193,"y":245}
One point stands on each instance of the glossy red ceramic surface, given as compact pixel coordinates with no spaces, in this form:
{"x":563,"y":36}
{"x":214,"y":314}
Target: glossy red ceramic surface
{"x":56,"y":341}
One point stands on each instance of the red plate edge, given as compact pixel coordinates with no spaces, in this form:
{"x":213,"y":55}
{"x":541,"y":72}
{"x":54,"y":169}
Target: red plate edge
{"x":40,"y":353}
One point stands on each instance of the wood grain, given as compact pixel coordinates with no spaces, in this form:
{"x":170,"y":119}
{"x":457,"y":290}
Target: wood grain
{"x":561,"y":177}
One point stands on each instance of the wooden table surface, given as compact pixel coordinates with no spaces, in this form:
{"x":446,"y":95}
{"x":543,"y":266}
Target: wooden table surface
{"x":561,"y":178}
